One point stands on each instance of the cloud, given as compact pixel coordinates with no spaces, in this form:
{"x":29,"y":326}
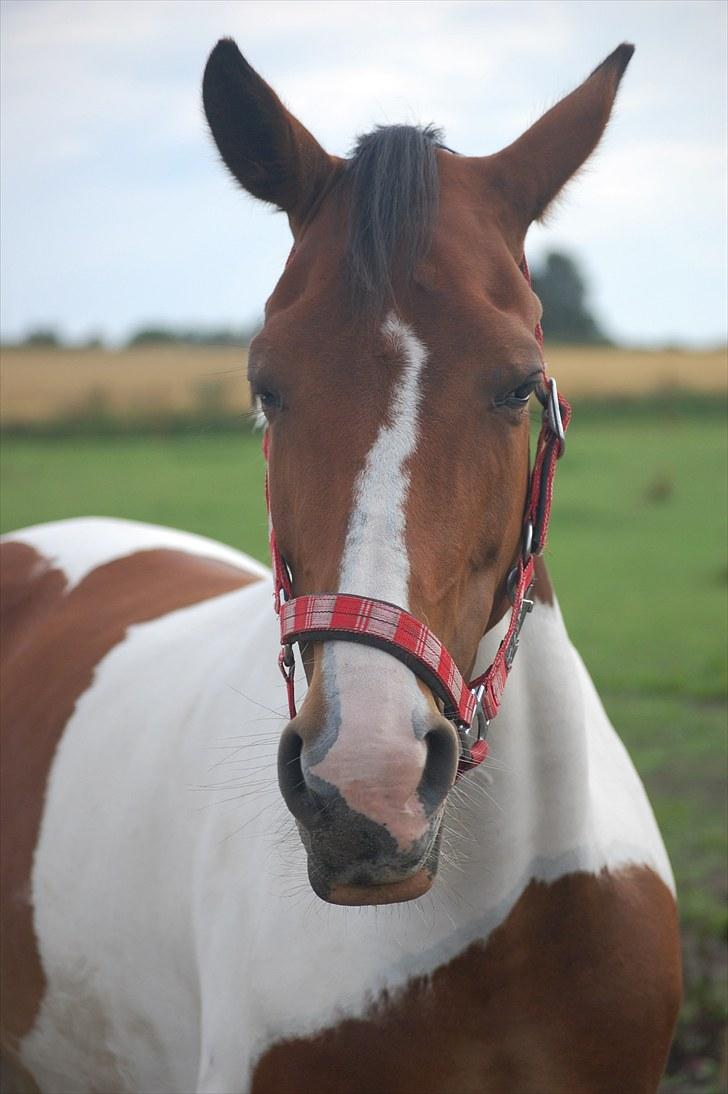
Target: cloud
{"x":105,"y":150}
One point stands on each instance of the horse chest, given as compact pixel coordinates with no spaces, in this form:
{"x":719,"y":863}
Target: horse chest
{"x":197,"y":955}
{"x":551,"y":1001}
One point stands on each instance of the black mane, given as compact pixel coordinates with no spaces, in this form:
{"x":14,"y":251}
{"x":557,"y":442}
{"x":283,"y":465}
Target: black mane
{"x":394,"y":199}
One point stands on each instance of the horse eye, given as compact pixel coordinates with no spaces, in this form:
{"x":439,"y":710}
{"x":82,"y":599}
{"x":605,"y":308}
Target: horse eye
{"x":519,"y":396}
{"x":268,"y":401}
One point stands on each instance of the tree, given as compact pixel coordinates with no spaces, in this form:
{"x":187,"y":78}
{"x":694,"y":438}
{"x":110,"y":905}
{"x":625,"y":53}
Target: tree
{"x":153,"y":336}
{"x":562,"y":291}
{"x":193,"y":336}
{"x":42,"y":338}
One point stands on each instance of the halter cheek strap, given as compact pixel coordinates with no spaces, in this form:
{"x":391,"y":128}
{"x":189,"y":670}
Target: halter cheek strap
{"x":345,"y":616}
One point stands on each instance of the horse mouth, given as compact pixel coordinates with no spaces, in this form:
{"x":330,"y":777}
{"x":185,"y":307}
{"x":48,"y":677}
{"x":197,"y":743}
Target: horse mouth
{"x":378,"y":881}
{"x":393,"y":892}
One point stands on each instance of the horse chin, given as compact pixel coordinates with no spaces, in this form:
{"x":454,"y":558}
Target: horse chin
{"x":394,"y":892}
{"x":373,"y":884}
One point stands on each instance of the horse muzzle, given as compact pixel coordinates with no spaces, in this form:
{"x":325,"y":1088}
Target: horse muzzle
{"x":371,"y":833}
{"x":373,"y":872}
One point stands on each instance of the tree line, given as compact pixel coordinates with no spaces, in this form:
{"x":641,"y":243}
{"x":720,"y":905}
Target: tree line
{"x":558,"y":282}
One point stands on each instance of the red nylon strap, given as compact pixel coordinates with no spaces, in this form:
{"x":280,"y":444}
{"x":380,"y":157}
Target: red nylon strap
{"x":549,"y":449}
{"x":493,"y":680}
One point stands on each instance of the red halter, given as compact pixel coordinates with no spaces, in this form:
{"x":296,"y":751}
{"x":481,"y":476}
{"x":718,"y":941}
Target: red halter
{"x":326,"y":616}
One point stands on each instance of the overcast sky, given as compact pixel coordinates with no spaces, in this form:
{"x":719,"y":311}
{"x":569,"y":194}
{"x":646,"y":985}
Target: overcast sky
{"x":116,"y":210}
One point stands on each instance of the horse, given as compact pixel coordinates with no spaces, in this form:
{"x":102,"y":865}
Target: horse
{"x":396,"y":911}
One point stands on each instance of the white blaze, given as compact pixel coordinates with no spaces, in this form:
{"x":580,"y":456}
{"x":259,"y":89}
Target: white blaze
{"x":373,"y":700}
{"x":375,"y":561}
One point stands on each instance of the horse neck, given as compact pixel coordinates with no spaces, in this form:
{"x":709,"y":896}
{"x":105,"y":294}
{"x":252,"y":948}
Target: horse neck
{"x":528,"y":805}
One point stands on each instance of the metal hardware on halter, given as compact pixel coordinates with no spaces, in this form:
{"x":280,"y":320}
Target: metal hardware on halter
{"x":287,"y":665}
{"x":480,"y":722}
{"x":550,"y":403}
{"x":527,"y":540}
{"x":551,"y":429}
{"x":526,"y":552}
{"x":473,"y":743}
{"x":287,"y":662}
{"x":526,"y":606}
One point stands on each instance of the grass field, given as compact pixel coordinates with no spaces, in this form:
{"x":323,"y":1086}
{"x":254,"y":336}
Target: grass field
{"x":637,"y":553}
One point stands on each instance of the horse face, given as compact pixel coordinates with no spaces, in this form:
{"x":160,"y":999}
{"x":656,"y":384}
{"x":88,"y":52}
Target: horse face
{"x":398,"y":439}
{"x":398,"y":471}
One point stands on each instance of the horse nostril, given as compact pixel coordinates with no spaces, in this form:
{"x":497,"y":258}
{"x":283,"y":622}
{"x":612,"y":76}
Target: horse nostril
{"x":440,"y":766}
{"x":290,"y":774}
{"x":296,"y":794}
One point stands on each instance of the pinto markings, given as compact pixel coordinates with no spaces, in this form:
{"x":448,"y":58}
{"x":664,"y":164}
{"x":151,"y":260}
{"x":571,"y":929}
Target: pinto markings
{"x":250,"y":915}
{"x":54,"y":635}
{"x":108,"y":538}
{"x":476,"y":1023}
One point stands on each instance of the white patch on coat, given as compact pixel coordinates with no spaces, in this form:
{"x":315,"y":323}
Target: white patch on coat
{"x":81,"y":544}
{"x":373,"y":701}
{"x":552,"y":734}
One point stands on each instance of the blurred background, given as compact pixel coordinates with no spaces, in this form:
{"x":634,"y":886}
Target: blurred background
{"x":133,"y":272}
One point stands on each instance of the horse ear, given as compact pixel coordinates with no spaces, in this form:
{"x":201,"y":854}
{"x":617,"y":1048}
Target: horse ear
{"x":267,"y":150}
{"x":531,"y":171}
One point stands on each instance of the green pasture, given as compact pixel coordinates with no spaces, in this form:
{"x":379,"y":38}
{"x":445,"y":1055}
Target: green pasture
{"x":638,"y":556}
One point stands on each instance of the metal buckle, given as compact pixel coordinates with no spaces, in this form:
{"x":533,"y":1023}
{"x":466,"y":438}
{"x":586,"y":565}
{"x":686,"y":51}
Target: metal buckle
{"x":286,"y":659}
{"x":526,"y":552}
{"x":478,"y":728}
{"x":480,"y":720}
{"x":526,"y":607}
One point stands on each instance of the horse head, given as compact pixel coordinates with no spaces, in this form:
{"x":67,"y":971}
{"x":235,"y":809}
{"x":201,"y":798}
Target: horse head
{"x":394,"y":368}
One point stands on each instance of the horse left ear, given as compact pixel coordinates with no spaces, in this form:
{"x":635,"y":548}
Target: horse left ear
{"x":269,"y":152}
{"x":530,"y":172}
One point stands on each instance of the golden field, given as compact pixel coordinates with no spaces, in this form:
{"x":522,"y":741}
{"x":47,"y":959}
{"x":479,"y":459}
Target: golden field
{"x":45,"y":385}
{"x":39,"y":385}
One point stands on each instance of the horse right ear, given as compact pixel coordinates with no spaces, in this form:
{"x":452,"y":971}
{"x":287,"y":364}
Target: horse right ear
{"x":267,"y":150}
